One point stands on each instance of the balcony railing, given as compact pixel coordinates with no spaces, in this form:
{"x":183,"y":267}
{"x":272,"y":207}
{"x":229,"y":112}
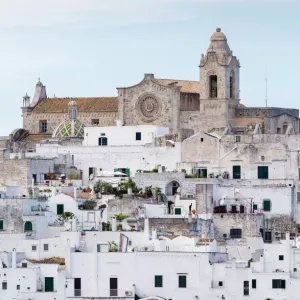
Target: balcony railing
{"x":77,"y":292}
{"x":113,"y":293}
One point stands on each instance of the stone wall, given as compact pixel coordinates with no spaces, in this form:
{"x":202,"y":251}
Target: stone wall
{"x":31,"y":120}
{"x":265,"y":112}
{"x":11,"y":212}
{"x":249,"y":223}
{"x":183,"y":226}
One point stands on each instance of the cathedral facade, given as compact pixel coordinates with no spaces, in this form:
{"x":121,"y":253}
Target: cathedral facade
{"x":185,"y":107}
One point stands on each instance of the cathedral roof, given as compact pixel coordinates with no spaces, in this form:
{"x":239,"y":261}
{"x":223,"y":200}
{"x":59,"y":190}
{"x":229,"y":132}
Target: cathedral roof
{"x":65,"y":129}
{"x":187,"y":86}
{"x":60,"y":105}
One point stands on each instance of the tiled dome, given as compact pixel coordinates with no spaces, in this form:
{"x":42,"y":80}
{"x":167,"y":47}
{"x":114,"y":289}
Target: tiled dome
{"x":72,"y":103}
{"x":65,"y":129}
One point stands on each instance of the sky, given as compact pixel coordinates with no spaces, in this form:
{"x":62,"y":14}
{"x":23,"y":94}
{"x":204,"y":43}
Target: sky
{"x":91,"y":47}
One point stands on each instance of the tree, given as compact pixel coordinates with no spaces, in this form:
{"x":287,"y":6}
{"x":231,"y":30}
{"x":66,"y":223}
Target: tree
{"x":66,"y":216}
{"x":89,"y":204}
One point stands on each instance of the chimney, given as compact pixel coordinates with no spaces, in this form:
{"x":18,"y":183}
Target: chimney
{"x":154,"y":234}
{"x":114,"y":224}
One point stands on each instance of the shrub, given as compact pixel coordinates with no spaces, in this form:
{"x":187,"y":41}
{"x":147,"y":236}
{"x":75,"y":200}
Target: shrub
{"x":89,"y":204}
{"x":120,"y":217}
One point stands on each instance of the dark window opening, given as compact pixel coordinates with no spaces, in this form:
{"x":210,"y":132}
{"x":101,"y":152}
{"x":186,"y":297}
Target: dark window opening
{"x":77,"y":287}
{"x":46,"y":247}
{"x":220,"y":283}
{"x":59,"y":209}
{"x":238,"y":139}
{"x":201,"y":139}
{"x":236,"y":172}
{"x":158,"y":281}
{"x":246,"y":288}
{"x":201,"y":172}
{"x":236,"y":233}
{"x":263,"y":172}
{"x":232,"y":85}
{"x":242,"y":209}
{"x":33,"y":248}
{"x":24,"y":265}
{"x":254,"y":283}
{"x":102,"y":141}
{"x":213,"y":93}
{"x":18,"y":287}
{"x":281,"y":257}
{"x":138,"y":136}
{"x":95,"y":121}
{"x":1,"y":225}
{"x":113,"y":286}
{"x":268,"y":237}
{"x":182,"y":281}
{"x":4,"y":285}
{"x":233,"y":209}
{"x":43,"y":126}
{"x":278,"y":284}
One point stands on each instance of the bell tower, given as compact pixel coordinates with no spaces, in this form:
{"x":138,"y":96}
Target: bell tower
{"x":219,"y":81}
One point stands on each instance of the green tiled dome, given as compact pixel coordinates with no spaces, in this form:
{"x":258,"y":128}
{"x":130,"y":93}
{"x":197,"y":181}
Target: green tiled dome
{"x":65,"y":129}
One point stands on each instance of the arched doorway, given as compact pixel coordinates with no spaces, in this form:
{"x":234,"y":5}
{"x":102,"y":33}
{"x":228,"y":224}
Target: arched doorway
{"x":28,"y":226}
{"x":171,"y":188}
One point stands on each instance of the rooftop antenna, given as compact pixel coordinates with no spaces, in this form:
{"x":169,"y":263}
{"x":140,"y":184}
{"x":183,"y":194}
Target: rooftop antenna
{"x":266,"y":75}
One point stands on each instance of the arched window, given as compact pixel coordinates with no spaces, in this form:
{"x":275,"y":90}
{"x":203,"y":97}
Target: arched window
{"x":213,"y":86}
{"x":284,"y":127}
{"x":232,"y":84}
{"x":28,"y":226}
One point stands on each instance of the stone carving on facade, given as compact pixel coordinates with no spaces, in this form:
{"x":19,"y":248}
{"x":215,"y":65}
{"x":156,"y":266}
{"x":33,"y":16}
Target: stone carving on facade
{"x":148,"y":108}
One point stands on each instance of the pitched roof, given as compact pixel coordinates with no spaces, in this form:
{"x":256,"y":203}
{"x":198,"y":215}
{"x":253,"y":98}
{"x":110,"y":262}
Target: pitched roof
{"x":187,"y":86}
{"x":92,"y":104}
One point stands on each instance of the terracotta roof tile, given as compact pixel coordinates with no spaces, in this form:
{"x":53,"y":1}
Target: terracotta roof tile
{"x":187,"y":86}
{"x":60,"y":105}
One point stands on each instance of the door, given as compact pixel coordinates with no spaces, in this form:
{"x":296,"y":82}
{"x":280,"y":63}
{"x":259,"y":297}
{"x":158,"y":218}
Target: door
{"x":236,"y":172}
{"x":49,"y":284}
{"x":177,"y":211}
{"x":113,"y":286}
{"x":34,"y":178}
{"x":242,"y":209}
{"x":77,"y":287}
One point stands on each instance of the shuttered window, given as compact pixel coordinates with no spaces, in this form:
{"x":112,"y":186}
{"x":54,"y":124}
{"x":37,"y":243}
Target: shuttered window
{"x":236,"y":172}
{"x":263,"y":172}
{"x":158,"y":281}
{"x":1,"y":225}
{"x":182,"y":281}
{"x":267,"y":205}
{"x":60,"y":209}
{"x":278,"y":284}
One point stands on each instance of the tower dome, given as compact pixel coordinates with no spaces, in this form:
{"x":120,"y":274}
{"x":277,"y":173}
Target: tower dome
{"x":69,"y":128}
{"x":218,"y":43}
{"x":72,"y":103}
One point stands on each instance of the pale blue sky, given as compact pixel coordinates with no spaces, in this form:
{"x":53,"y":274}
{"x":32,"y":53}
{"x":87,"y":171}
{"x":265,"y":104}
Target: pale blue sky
{"x":90,"y":47}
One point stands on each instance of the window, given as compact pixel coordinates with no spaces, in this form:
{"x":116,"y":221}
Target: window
{"x":267,"y":205}
{"x":28,"y":226}
{"x":254,"y":206}
{"x":46,"y":247}
{"x":213,"y":86}
{"x":254,"y":283}
{"x":43,"y":126}
{"x":236,"y":172}
{"x":4,"y":285}
{"x":95,"y":121}
{"x":113,"y":285}
{"x":232,"y":84}
{"x":1,"y":225}
{"x":125,"y":171}
{"x":177,"y":211}
{"x":238,"y":139}
{"x":18,"y":287}
{"x":220,"y":283}
{"x":236,"y":233}
{"x":295,"y":269}
{"x":182,"y":281}
{"x":102,"y":141}
{"x":263,"y":172}
{"x":278,"y":284}
{"x":158,"y":281}
{"x":33,"y":247}
{"x":77,"y":287}
{"x":278,"y":130}
{"x":246,"y":288}
{"x":138,"y":136}
{"x":24,"y":265}
{"x":281,"y":257}
{"x":49,"y":284}
{"x":201,"y":172}
{"x":268,"y":237}
{"x":59,"y":209}
{"x":202,"y":140}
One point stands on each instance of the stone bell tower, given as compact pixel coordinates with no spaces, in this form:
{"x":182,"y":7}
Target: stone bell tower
{"x":219,"y":83}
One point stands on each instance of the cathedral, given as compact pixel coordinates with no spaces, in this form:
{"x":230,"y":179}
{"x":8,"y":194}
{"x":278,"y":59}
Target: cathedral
{"x":211,"y":104}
